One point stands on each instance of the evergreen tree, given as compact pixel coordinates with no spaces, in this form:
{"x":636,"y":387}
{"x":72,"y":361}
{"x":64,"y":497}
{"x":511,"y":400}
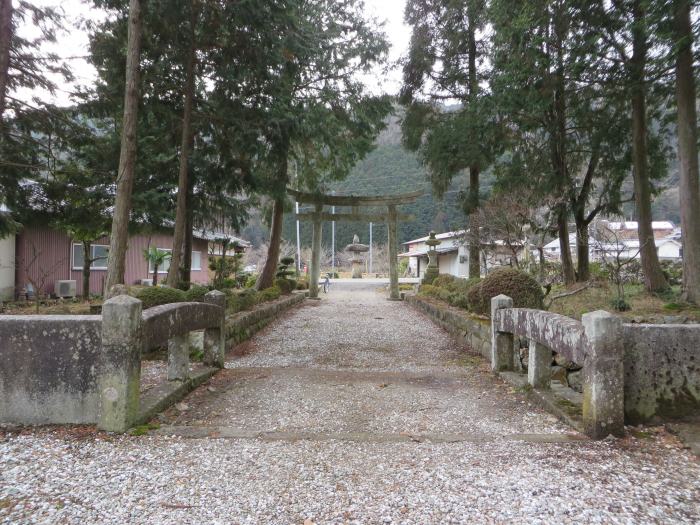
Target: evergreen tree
{"x":442,"y":64}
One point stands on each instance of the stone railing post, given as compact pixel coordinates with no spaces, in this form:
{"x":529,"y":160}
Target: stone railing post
{"x":502,"y":349}
{"x":539,"y":365}
{"x":215,"y":338}
{"x":603,"y":376}
{"x":120,"y":368}
{"x":179,"y":358}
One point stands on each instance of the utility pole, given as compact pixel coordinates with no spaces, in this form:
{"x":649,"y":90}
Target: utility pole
{"x":333,"y":242}
{"x":370,"y":247}
{"x":298,"y":240}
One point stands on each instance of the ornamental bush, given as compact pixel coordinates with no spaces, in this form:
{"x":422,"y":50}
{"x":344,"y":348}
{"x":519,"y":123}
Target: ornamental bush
{"x":525,"y":291}
{"x":157,"y":295}
{"x":285,"y":285}
{"x":196,"y":293}
{"x":270,"y":294}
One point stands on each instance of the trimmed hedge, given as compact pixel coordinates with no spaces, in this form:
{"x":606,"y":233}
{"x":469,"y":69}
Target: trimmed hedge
{"x":196,"y":293}
{"x":285,"y":285}
{"x":524,"y":289}
{"x":156,"y":295}
{"x":450,"y":289}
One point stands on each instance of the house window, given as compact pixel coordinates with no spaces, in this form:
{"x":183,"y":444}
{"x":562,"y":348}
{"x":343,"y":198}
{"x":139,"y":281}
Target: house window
{"x":163,"y":268}
{"x":99,"y":256}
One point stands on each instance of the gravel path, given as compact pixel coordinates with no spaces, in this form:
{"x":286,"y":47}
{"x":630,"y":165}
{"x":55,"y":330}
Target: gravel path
{"x":354,"y":375}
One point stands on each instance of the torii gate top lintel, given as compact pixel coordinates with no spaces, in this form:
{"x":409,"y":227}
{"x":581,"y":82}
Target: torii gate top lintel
{"x":355,"y":201}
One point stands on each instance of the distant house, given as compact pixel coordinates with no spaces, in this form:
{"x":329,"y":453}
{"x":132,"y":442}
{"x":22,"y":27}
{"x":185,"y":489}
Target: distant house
{"x":624,"y":241}
{"x":628,"y":229}
{"x":453,"y":256}
{"x":45,"y":255}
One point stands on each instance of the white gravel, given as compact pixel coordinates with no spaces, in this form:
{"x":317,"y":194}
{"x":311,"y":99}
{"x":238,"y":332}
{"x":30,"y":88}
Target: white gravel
{"x":73,"y":476}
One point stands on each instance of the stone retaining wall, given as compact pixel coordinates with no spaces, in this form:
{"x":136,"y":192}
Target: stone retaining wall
{"x":662,"y":370}
{"x":661,"y":361}
{"x":472,"y":330}
{"x":243,"y":325}
{"x":49,"y":367}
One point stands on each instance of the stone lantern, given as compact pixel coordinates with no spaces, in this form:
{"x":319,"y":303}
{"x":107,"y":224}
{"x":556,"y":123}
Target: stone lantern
{"x":356,"y":249}
{"x":431,"y":272}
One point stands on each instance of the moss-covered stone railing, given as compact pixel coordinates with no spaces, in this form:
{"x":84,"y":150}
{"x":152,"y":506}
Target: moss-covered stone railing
{"x":596,"y":342}
{"x":661,"y":361}
{"x":241,"y":326}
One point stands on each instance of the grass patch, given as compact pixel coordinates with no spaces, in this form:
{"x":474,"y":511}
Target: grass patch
{"x":467,"y":361}
{"x":524,"y":389}
{"x":642,"y":434}
{"x":143,"y":429}
{"x":642,"y":303}
{"x":570,"y":408}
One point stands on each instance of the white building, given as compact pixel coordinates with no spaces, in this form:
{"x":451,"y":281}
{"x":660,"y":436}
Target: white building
{"x":453,"y":257}
{"x":668,"y":248}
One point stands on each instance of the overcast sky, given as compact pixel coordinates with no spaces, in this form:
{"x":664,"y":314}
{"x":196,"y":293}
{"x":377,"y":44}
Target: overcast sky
{"x":73,"y":43}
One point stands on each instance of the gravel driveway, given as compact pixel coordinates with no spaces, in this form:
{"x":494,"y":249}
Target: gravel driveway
{"x":353,"y":409}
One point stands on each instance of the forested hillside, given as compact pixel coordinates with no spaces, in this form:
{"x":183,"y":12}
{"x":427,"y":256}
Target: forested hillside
{"x":391,"y":169}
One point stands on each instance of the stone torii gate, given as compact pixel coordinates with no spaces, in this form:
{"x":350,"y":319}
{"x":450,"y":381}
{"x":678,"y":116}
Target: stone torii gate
{"x":390,"y":217}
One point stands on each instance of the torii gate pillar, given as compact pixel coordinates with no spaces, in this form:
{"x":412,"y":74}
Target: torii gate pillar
{"x":393,"y":254}
{"x":316,"y":253}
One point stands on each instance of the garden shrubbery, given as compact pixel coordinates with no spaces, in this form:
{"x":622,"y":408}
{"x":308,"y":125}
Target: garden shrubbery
{"x":524,"y":289}
{"x":156,"y":295}
{"x":450,"y":289}
{"x":196,"y":293}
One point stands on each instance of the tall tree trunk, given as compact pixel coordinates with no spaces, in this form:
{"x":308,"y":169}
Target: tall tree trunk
{"x":127,"y":156}
{"x":583,"y":270}
{"x":185,"y":146}
{"x":687,"y":153}
{"x":567,"y":265}
{"x":186,"y":266}
{"x":474,"y":232}
{"x":87,"y":261}
{"x":267,"y":276}
{"x":654,"y":279}
{"x":5,"y":44}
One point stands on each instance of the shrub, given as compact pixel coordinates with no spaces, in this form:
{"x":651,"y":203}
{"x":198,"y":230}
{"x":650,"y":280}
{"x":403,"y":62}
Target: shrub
{"x":459,"y":300}
{"x":285,"y":285}
{"x":444,"y":280}
{"x":270,"y":294}
{"x":155,"y":295}
{"x":239,"y":300}
{"x":620,"y":304}
{"x":673,"y":271}
{"x":303,"y":284}
{"x":474,"y":297}
{"x":518,"y":285}
{"x":251,"y":280}
{"x":436,"y":292}
{"x":228,"y":283}
{"x":196,"y":293}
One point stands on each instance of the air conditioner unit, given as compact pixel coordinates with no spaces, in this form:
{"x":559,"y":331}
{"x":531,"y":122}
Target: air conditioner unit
{"x":65,"y":289}
{"x":146,"y":282}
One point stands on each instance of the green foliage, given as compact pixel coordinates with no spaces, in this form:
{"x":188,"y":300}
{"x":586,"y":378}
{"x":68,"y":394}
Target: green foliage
{"x":156,"y":257}
{"x":224,"y":268}
{"x":525,"y":291}
{"x":156,"y":295}
{"x":285,"y":285}
{"x":620,"y":305}
{"x":435,"y":292}
{"x":673,"y":271}
{"x":251,"y":280}
{"x":270,"y":294}
{"x":302,"y":283}
{"x":196,"y":293}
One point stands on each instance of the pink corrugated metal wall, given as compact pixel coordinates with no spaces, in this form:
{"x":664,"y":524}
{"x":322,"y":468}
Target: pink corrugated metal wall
{"x":53,"y":260}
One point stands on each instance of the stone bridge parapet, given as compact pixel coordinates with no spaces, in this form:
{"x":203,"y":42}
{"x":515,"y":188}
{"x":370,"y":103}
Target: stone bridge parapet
{"x":595,"y":342}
